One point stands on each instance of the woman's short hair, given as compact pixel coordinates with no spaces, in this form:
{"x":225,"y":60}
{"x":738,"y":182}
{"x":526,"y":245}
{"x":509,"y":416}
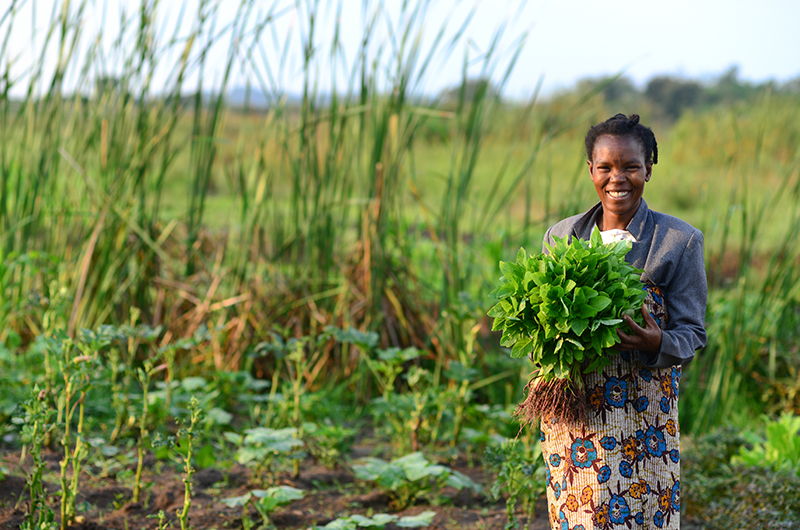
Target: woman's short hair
{"x":621,"y":125}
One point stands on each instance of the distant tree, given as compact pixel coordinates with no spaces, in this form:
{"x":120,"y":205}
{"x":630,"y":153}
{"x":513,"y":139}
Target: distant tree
{"x":792,"y":86}
{"x":671,"y":95}
{"x":617,"y":90}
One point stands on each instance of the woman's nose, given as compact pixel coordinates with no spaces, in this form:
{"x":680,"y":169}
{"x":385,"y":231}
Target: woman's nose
{"x":617,"y":175}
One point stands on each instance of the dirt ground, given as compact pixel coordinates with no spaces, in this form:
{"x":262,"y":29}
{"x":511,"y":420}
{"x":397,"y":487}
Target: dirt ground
{"x":105,"y":499}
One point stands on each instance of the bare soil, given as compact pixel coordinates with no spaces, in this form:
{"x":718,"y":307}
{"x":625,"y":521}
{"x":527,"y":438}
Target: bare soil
{"x":105,"y":499}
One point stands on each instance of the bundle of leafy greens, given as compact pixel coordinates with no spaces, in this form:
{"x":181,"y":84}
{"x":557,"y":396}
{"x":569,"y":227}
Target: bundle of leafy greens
{"x":562,"y":309}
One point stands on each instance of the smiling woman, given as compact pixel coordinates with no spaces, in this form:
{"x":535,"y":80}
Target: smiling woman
{"x":621,"y":465}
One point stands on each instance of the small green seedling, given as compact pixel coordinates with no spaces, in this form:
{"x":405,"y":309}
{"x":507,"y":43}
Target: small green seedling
{"x":409,"y":477}
{"x":163,"y":522}
{"x":265,"y":503}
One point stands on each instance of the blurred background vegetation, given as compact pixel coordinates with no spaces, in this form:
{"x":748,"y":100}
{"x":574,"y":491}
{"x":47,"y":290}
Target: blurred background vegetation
{"x":239,"y":210}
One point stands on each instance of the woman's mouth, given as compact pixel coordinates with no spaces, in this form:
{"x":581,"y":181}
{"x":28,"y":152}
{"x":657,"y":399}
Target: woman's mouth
{"x":619,"y":194}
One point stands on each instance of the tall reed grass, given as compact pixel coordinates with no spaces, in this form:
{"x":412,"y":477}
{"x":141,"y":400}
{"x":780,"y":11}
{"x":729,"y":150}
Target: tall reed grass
{"x":365,"y":202}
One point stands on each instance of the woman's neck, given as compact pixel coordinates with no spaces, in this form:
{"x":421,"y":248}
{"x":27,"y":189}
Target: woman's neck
{"x":610,"y":221}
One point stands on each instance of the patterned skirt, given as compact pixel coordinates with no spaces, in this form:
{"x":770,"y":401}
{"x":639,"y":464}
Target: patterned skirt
{"x":622,"y":467}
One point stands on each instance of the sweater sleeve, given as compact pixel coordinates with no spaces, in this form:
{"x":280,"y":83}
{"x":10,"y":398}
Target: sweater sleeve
{"x":686,"y":296}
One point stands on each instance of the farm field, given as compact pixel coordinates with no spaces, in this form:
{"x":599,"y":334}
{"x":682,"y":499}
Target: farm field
{"x":243,"y":317}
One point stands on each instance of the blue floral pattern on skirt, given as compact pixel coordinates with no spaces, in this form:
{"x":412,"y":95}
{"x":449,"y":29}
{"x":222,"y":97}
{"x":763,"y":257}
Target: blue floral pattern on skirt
{"x":622,"y":467}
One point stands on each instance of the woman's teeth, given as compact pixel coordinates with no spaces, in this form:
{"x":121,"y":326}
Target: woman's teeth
{"x":618,"y":194}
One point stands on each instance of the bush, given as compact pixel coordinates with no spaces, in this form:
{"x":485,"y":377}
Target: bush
{"x":719,"y":494}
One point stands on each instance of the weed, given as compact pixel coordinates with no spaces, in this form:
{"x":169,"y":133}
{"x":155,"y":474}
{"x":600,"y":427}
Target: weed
{"x":77,"y":372}
{"x":519,"y":474}
{"x":188,"y":434}
{"x":144,"y":375}
{"x":36,"y":424}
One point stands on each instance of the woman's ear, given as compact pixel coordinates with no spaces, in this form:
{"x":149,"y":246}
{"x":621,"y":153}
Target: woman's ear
{"x":648,"y":168}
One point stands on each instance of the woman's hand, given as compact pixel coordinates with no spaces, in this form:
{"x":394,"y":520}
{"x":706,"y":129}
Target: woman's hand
{"x":646,"y":338}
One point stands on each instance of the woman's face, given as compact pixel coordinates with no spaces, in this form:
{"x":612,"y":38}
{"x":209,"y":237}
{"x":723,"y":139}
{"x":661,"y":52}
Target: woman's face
{"x":619,"y":172}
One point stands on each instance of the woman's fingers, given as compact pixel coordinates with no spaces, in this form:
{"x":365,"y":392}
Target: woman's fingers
{"x":646,"y":338}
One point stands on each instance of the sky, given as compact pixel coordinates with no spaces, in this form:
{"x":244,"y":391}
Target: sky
{"x":562,"y":41}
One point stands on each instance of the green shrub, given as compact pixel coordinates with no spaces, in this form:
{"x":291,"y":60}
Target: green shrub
{"x":780,"y":450}
{"x":721,"y":492}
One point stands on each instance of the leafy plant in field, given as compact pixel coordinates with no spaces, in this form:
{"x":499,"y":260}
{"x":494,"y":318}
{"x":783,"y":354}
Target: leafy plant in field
{"x":459,"y":377}
{"x":780,"y":450}
{"x":563,"y":309}
{"x":169,"y":353}
{"x":144,"y":375}
{"x":77,"y":373}
{"x":365,"y":343}
{"x":36,"y":424}
{"x":407,"y":415}
{"x":265,"y":502}
{"x":300,"y":358}
{"x":410,"y":477}
{"x":519,"y":474}
{"x":380,"y":520}
{"x":261,"y":446}
{"x":183,"y":444}
{"x":388,"y":365}
{"x":206,"y":391}
{"x":328,"y":442}
{"x":122,"y":371}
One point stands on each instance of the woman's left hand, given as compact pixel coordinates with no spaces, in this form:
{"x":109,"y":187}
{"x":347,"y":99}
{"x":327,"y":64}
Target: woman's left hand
{"x":646,"y":338}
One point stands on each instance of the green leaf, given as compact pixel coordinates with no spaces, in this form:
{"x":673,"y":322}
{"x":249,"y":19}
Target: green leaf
{"x":522,"y":257}
{"x":282,"y":494}
{"x":378,"y":520}
{"x":600,"y":302}
{"x":461,"y":481}
{"x":219,"y":416}
{"x":497,"y":310}
{"x":345,"y":523}
{"x":416,"y":521}
{"x":579,"y":326}
{"x":522,"y":348}
{"x":234,"y":502}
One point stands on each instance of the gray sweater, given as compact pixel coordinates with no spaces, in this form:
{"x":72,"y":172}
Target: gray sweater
{"x":671,"y":253}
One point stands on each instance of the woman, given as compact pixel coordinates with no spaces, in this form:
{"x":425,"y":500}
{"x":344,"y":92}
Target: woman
{"x":622,"y":466}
